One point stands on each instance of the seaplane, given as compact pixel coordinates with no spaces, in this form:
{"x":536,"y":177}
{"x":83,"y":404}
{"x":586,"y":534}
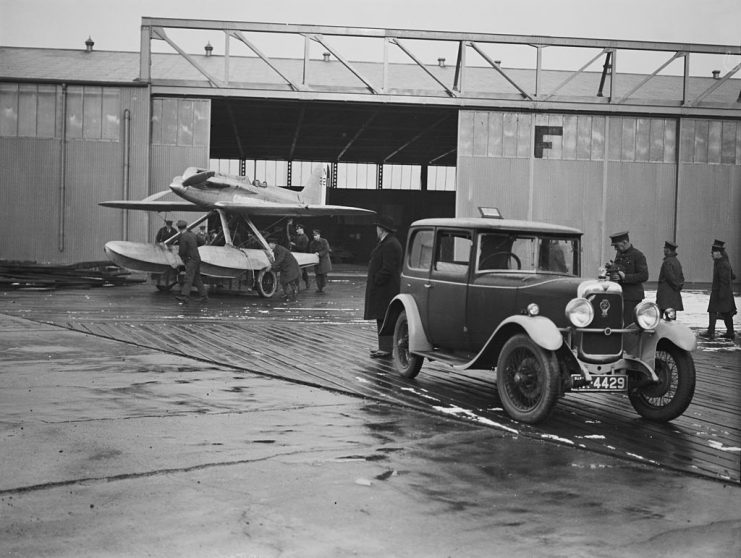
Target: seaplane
{"x":231,"y":198}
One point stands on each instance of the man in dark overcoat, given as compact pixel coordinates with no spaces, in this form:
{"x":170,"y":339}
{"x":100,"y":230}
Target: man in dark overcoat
{"x":671,"y":280}
{"x":188,"y":252}
{"x":300,"y":243}
{"x":630,"y":270}
{"x":383,"y":281}
{"x":321,"y":248}
{"x":721,"y":293}
{"x":285,"y":264}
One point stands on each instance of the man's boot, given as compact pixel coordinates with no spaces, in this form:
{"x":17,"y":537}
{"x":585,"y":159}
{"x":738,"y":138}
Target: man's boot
{"x":728,"y":320}
{"x":710,"y":333}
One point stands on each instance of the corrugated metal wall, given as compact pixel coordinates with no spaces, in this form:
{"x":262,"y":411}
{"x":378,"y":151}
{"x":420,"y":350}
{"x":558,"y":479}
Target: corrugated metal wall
{"x":181,"y":131}
{"x":49,"y":189}
{"x":554,"y":168}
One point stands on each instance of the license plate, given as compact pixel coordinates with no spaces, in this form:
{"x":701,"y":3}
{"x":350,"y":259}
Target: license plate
{"x":604,"y":382}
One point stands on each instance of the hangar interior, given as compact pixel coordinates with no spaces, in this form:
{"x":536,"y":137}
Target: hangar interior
{"x":583,"y":145}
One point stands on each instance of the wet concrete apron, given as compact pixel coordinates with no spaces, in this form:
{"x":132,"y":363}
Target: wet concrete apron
{"x":321,"y":341}
{"x":186,"y":440}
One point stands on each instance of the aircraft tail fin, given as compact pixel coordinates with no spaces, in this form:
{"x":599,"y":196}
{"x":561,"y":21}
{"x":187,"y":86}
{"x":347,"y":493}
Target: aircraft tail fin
{"x":314,"y":192}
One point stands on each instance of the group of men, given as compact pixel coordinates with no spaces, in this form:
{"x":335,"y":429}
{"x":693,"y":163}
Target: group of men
{"x":630,"y":270}
{"x":286,"y":265}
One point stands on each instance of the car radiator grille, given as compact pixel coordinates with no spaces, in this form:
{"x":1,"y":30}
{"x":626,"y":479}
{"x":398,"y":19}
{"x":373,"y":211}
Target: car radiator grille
{"x":608,"y":313}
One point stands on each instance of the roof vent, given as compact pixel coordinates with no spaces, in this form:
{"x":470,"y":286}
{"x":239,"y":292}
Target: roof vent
{"x":441,"y":62}
{"x":716,"y":74}
{"x":326,"y":56}
{"x":208,"y":48}
{"x":89,"y":44}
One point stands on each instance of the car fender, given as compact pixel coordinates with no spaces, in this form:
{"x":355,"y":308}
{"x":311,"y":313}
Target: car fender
{"x":644,"y":345}
{"x":417,"y":337}
{"x":539,"y":328}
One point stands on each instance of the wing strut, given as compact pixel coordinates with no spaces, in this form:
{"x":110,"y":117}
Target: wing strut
{"x":225,"y":228}
{"x":192,"y":226}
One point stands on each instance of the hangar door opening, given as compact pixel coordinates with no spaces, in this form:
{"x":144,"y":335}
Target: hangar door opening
{"x":395,"y":160}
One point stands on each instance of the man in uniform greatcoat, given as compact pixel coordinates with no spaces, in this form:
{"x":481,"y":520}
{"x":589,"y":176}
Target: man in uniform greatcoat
{"x":630,"y":270}
{"x":383,"y":281}
{"x":671,"y":280}
{"x":721,"y":302}
{"x":321,"y":248}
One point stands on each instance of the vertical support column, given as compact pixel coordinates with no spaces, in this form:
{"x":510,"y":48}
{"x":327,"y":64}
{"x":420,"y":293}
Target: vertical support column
{"x":333,"y":170}
{"x":538,"y":65}
{"x":307,"y":45}
{"x":226,"y":57}
{"x":385,"y":64}
{"x":677,"y":180}
{"x":379,"y":174}
{"x":145,"y":54}
{"x":531,"y":169}
{"x":423,"y":178}
{"x":289,"y":173}
{"x":243,"y":167}
{"x":605,"y":175}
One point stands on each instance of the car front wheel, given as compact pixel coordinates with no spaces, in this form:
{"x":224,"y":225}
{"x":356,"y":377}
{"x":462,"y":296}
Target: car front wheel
{"x":669,"y":398}
{"x":527,"y":379}
{"x":406,"y":364}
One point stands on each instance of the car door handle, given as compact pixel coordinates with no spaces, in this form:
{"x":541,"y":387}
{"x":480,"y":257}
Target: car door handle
{"x":428,"y":285}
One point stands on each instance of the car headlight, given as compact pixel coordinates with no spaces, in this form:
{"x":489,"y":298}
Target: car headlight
{"x":647,"y":315}
{"x":579,"y":311}
{"x":533,"y":309}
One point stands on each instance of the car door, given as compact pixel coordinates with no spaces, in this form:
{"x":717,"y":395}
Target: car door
{"x":448,"y":287}
{"x":415,"y":279}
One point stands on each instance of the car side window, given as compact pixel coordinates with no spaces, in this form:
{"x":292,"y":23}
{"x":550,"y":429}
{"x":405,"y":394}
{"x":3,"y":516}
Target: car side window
{"x":420,"y":251}
{"x":453,"y":252}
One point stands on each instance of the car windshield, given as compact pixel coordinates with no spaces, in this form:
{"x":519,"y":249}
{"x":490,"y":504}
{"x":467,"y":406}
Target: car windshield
{"x":500,"y":251}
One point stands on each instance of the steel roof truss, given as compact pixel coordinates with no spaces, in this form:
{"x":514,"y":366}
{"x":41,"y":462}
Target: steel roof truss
{"x":415,"y":138}
{"x":319,"y":39}
{"x":576,"y":73}
{"x":494,"y":65}
{"x":715,"y":86}
{"x":647,"y":78}
{"x":362,"y":128}
{"x":159,"y":33}
{"x":239,"y":36}
{"x":421,"y":65}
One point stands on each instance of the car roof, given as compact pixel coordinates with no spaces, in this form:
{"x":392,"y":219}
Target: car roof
{"x":493,"y":224}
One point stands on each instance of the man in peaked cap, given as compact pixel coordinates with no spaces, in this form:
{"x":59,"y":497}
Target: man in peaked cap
{"x":188,"y":252}
{"x":165,"y":232}
{"x":722,"y":303}
{"x":383,"y":282}
{"x":671,"y":280}
{"x":630,"y":270}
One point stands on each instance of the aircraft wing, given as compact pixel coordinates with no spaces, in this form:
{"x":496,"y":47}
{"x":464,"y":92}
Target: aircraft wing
{"x":145,"y":205}
{"x":290,"y":209}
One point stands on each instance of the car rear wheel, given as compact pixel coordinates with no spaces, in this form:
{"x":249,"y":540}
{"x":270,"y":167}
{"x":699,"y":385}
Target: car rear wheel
{"x":406,"y":364}
{"x":527,"y":379}
{"x":669,"y":398}
{"x":266,"y":283}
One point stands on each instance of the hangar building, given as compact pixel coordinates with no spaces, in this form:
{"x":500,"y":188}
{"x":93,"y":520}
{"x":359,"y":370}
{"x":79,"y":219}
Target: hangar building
{"x":657,"y":153}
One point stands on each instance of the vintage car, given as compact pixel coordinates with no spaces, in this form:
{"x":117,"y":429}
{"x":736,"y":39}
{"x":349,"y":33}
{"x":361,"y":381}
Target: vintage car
{"x":506,"y":295}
